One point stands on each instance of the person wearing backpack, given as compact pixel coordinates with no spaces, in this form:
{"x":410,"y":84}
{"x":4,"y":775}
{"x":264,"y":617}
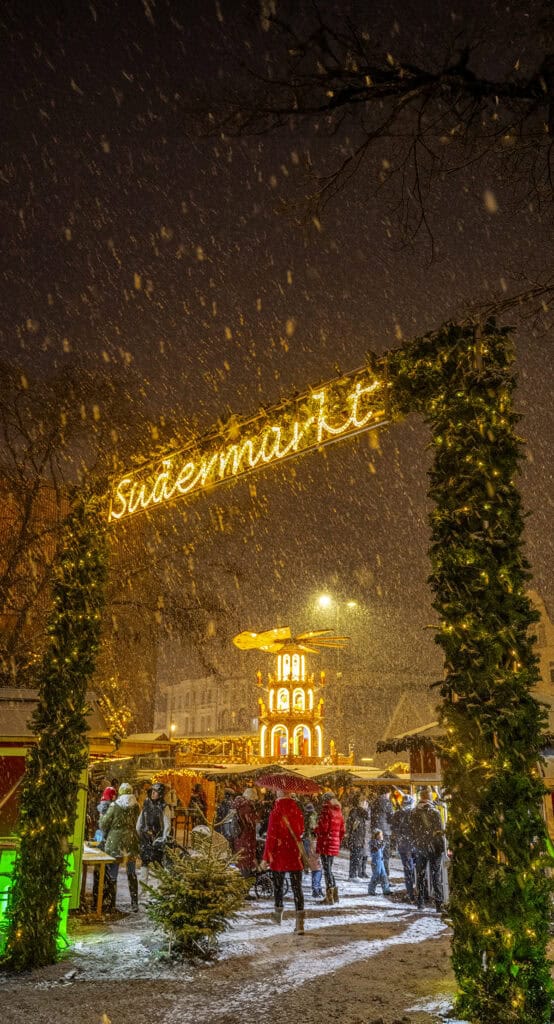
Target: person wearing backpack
{"x":428,"y":842}
{"x":243,"y":831}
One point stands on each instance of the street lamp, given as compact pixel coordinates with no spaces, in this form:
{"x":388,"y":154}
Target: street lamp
{"x":326,"y":601}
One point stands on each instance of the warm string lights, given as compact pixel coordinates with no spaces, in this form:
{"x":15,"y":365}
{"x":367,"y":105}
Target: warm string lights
{"x":499,"y":902}
{"x":55,"y":764}
{"x":356,"y":402}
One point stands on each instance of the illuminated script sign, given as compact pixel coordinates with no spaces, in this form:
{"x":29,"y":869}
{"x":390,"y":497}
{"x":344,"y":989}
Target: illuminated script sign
{"x":349,"y":405}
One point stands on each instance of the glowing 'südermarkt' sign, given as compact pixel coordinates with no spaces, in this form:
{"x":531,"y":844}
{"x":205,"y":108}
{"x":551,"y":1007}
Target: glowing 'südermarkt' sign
{"x":347,"y":406}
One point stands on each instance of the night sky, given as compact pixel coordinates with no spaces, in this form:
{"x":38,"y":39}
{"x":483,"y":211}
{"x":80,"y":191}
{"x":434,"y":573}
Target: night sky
{"x":188,"y":259}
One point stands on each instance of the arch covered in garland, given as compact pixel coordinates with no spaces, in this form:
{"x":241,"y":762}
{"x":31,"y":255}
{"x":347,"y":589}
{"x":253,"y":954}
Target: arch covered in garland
{"x":460,"y":379}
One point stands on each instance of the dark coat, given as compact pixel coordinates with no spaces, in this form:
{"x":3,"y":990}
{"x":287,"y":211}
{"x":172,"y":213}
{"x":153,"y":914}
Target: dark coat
{"x":382,"y":813}
{"x":402,"y":831}
{"x":330,"y":828}
{"x":244,"y":844}
{"x":427,"y":830}
{"x":358,"y":830}
{"x":281,"y":848}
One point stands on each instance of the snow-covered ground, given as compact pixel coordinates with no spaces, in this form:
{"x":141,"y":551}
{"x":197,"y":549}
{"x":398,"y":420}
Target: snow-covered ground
{"x":367,"y":960}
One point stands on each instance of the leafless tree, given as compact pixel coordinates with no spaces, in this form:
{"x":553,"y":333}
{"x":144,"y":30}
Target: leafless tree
{"x":413,"y":109}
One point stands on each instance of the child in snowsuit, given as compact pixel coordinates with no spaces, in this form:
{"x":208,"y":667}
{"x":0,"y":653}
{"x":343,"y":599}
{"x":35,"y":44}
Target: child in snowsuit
{"x":379,"y":875}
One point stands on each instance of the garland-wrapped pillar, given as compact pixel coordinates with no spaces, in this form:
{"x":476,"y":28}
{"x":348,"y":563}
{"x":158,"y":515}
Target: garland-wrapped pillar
{"x":55,"y":763}
{"x":499,"y":902}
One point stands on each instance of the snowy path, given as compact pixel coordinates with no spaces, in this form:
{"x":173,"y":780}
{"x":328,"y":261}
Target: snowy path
{"x":367,"y":960}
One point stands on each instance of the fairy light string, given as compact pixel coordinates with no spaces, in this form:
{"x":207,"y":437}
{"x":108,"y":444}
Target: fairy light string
{"x":500,"y":889}
{"x":55,"y":763}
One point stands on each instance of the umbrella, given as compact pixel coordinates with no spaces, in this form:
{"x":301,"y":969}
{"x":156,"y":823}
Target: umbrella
{"x":289,"y":783}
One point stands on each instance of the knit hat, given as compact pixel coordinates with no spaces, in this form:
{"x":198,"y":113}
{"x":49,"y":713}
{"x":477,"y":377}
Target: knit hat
{"x":108,"y":794}
{"x":250,"y":793}
{"x":125,"y":789}
{"x":408,"y":802}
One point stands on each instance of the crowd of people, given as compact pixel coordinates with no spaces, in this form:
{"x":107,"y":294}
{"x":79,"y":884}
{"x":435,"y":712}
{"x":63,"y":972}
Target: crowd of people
{"x":285,"y":834}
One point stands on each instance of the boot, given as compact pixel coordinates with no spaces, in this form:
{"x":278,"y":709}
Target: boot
{"x":300,"y":918}
{"x":143,"y":874}
{"x":277,"y":915}
{"x":133,"y":891}
{"x":328,"y":898}
{"x":334,"y":895}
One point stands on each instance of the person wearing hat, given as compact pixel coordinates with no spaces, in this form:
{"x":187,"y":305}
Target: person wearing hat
{"x":402,"y":840}
{"x":107,"y":798}
{"x":428,"y":842}
{"x":244,"y":831}
{"x":153,"y":828}
{"x":119,"y":826}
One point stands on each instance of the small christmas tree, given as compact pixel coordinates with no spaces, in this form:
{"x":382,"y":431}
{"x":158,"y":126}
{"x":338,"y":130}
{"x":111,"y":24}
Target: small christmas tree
{"x":197,"y":897}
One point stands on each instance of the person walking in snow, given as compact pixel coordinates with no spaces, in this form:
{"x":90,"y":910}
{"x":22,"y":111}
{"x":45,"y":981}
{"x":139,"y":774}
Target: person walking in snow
{"x":381,"y":817}
{"x":282,"y":852}
{"x":243,"y":831}
{"x":378,"y":874}
{"x":402,"y":840}
{"x":310,"y":842}
{"x":330,"y":831}
{"x":119,"y":826}
{"x":358,"y":834}
{"x":153,"y":828}
{"x":429,"y":846}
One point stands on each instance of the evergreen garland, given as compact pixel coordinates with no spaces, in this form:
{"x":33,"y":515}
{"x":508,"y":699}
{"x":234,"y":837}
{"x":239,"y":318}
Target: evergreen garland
{"x":500,"y":892}
{"x":56,"y":761}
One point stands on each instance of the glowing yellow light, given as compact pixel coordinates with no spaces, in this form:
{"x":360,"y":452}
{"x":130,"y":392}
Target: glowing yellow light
{"x":355,"y":403}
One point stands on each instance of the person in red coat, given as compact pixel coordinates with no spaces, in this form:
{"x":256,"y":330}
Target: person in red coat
{"x":329,"y":830}
{"x":282,"y":853}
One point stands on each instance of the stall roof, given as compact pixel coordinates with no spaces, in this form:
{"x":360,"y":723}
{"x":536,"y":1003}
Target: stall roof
{"x":18,"y":704}
{"x":360,"y":773}
{"x":426,"y":734}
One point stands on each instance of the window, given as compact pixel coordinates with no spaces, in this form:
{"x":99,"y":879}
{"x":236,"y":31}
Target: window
{"x":282,"y":699}
{"x":243,"y":719}
{"x":224,"y":719}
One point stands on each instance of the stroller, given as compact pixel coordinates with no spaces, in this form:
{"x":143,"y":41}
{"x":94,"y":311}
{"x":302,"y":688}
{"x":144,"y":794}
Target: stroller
{"x":263,"y":878}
